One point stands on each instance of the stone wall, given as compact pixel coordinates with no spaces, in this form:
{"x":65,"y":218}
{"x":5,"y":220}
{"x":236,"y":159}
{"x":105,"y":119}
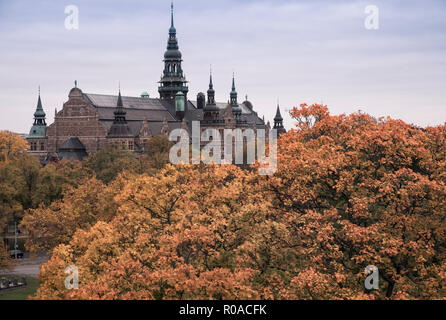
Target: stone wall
{"x":77,"y":119}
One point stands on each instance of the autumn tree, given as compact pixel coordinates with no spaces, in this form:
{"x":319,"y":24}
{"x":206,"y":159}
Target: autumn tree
{"x":350,"y":191}
{"x":174,"y":237}
{"x":11,"y":146}
{"x":79,"y":208}
{"x":355,"y":191}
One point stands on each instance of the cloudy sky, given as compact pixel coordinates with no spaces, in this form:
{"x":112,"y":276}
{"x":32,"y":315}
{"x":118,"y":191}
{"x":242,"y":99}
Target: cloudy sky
{"x":296,"y":51}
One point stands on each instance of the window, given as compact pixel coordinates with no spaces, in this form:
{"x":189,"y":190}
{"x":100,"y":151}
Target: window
{"x":42,"y":146}
{"x":130,"y":145}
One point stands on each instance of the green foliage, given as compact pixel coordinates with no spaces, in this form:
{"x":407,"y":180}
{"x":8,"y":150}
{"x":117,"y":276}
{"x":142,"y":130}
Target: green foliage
{"x":158,"y":151}
{"x":110,"y":161}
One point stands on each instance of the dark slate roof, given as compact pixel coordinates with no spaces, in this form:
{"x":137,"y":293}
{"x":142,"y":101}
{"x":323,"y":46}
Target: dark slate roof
{"x":155,"y":111}
{"x":251,"y":116}
{"x":72,"y":155}
{"x":278,"y":116}
{"x":103,"y":100}
{"x":72,"y":144}
{"x":72,"y":149}
{"x":135,"y":126}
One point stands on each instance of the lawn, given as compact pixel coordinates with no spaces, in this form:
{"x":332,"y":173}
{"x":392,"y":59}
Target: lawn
{"x":21,"y":293}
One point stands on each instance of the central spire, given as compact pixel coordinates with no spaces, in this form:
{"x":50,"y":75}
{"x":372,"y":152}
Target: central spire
{"x":173,"y":79}
{"x":172,"y":27}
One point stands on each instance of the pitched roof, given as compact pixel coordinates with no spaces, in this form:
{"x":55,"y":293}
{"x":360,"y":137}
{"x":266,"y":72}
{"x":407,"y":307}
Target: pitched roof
{"x":72,"y":149}
{"x":156,"y":110}
{"x":72,"y":144}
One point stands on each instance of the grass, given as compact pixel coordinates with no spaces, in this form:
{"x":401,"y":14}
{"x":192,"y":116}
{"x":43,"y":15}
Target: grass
{"x":21,"y":293}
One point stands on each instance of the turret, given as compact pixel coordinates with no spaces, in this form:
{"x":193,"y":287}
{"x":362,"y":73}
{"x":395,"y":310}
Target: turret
{"x":119,"y":128}
{"x":278,"y":122}
{"x":201,"y":100}
{"x":236,"y":109}
{"x":38,"y":130}
{"x":180,"y":102}
{"x":173,"y":78}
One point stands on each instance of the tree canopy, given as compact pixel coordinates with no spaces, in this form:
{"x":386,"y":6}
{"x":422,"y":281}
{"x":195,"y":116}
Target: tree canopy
{"x":350,"y":191}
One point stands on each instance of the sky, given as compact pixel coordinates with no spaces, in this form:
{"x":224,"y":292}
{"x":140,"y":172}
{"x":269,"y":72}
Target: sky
{"x":301,"y":51}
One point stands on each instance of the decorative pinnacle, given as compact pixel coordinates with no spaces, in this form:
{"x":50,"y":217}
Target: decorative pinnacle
{"x":210,"y":78}
{"x":75,"y":83}
{"x":171,"y":14}
{"x":119,"y":103}
{"x":233,"y":82}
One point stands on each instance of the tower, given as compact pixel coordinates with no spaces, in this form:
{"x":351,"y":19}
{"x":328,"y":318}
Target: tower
{"x":38,"y":130}
{"x":180,"y":105}
{"x":211,"y":91}
{"x":173,"y":79}
{"x":37,"y":135}
{"x":278,"y":122}
{"x":233,"y":94}
{"x":211,"y":110}
{"x":236,"y":109}
{"x":119,"y":128}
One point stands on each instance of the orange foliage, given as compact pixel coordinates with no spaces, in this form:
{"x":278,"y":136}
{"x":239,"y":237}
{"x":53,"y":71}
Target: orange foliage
{"x":350,"y":191}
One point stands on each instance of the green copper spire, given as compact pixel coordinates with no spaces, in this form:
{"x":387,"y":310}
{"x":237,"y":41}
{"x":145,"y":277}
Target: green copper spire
{"x":39,"y":115}
{"x":172,"y":29}
{"x":38,"y":130}
{"x":171,"y":14}
{"x":173,"y":78}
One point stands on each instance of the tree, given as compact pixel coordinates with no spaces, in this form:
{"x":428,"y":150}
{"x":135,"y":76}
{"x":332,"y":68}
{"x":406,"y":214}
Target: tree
{"x":350,"y":191}
{"x":158,"y":149}
{"x":4,"y":258}
{"x":11,"y":146}
{"x":54,"y":178}
{"x":354,"y":191}
{"x":173,"y":237}
{"x":80,"y":208}
{"x":107,"y":163}
{"x":10,"y":194}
